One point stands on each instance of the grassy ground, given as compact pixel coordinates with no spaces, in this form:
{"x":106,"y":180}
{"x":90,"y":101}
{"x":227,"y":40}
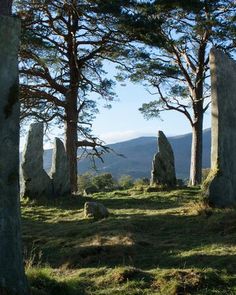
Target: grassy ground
{"x":152,"y":243}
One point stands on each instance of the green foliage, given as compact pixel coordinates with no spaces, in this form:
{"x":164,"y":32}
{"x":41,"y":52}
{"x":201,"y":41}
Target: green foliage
{"x":61,"y":67}
{"x":125,"y":182}
{"x":89,"y":183}
{"x":104,"y":182}
{"x":85,"y":184}
{"x":141,"y":182}
{"x":151,"y":109}
{"x":172,"y":57}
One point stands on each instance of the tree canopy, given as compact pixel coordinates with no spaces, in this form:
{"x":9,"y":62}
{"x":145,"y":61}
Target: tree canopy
{"x":63,"y":48}
{"x":173,"y":58}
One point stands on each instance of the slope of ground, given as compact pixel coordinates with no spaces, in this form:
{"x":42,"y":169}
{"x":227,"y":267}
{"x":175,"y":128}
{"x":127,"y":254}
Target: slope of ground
{"x":152,"y":243}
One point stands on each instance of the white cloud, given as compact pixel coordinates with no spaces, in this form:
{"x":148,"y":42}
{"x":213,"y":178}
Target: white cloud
{"x":112,"y":137}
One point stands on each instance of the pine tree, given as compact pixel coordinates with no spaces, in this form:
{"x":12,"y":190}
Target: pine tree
{"x":64,"y":45}
{"x":173,"y":40}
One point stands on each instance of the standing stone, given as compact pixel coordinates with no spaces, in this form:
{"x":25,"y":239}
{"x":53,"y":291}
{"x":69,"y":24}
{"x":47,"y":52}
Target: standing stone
{"x":12,"y":278}
{"x":221,"y":190}
{"x":35,"y":182}
{"x":60,"y":172}
{"x":163,"y":165}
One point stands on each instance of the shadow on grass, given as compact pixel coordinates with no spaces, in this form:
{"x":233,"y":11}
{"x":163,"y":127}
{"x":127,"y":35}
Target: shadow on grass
{"x":42,"y":282}
{"x":120,"y":200}
{"x":143,"y":241}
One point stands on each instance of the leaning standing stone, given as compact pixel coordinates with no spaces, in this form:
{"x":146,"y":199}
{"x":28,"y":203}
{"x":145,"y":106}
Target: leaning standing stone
{"x":163,"y":165}
{"x":35,"y":182}
{"x":60,"y":173}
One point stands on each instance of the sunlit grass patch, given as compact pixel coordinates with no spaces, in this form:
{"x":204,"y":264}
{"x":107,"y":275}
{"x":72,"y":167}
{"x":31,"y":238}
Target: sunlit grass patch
{"x":152,"y":243}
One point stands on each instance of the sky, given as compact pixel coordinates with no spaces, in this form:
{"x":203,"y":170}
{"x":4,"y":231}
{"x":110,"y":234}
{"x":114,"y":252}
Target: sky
{"x":124,"y":121}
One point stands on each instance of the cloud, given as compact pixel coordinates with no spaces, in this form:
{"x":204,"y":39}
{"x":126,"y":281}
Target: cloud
{"x":113,"y":137}
{"x":107,"y":137}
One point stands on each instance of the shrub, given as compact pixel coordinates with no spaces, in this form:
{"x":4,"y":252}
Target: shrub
{"x":85,"y":183}
{"x":141,"y":181}
{"x":89,"y":183}
{"x":103,"y":182}
{"x":125,"y":182}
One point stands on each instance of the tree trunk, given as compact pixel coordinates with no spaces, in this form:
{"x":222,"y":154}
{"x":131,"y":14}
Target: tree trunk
{"x":196,"y":153}
{"x":12,"y":277}
{"x":71,"y":139}
{"x":198,"y":110}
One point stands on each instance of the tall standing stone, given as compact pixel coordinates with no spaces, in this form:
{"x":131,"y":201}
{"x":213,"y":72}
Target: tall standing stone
{"x":35,"y":182}
{"x":12,"y":278}
{"x":163,"y":165}
{"x":60,"y":172}
{"x":221,"y":189}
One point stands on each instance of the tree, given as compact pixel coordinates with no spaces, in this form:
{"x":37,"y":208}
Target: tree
{"x":90,"y":183}
{"x":174,"y":61}
{"x":126,"y":181}
{"x":12,"y":276}
{"x":103,"y":182}
{"x":63,"y":46}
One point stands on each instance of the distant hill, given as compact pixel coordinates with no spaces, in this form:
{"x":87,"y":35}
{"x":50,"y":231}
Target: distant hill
{"x":139,"y":153}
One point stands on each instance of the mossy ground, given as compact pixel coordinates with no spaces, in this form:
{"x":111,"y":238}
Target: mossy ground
{"x":152,"y":243}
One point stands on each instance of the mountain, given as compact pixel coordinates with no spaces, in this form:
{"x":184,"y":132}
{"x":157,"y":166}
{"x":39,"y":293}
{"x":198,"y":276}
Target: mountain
{"x":138,"y":154}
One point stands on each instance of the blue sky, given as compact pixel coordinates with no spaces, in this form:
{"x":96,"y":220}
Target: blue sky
{"x":123,"y":121}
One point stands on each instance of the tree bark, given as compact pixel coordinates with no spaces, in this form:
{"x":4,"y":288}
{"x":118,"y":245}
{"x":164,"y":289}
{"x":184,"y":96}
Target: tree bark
{"x":196,"y":150}
{"x":72,"y":138}
{"x":196,"y":154}
{"x":12,"y":277}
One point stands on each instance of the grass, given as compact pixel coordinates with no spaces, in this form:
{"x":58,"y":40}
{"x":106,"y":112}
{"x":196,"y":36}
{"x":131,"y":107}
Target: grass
{"x":152,"y":243}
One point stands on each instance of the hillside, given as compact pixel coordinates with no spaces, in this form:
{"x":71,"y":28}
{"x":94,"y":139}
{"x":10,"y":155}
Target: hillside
{"x":139,"y":154}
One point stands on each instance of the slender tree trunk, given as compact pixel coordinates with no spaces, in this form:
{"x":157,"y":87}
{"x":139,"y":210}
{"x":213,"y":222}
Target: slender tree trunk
{"x":196,"y":153}
{"x":12,"y":276}
{"x":72,"y":138}
{"x":196,"y":150}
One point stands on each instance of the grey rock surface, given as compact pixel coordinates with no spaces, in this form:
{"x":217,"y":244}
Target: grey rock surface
{"x":12,"y":278}
{"x":221,"y":191}
{"x":95,"y":210}
{"x":35,"y":182}
{"x":60,"y":173}
{"x":163,"y":165}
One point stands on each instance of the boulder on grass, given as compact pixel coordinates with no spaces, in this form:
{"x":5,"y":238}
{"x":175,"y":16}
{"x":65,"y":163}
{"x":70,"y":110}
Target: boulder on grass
{"x":95,"y":210}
